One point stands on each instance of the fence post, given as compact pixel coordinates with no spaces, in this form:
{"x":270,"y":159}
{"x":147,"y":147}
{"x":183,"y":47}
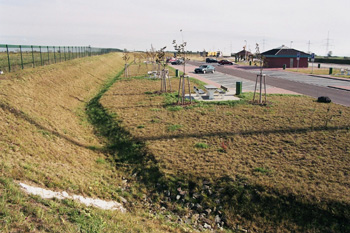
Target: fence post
{"x":20,"y":51}
{"x":64,"y":51}
{"x":59,"y":49}
{"x":48,"y":55}
{"x":41,"y":56}
{"x":8,"y":58}
{"x":33,"y":56}
{"x":54,"y":53}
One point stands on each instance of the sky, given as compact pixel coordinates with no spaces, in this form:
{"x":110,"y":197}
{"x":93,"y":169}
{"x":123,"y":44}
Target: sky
{"x":220,"y":25}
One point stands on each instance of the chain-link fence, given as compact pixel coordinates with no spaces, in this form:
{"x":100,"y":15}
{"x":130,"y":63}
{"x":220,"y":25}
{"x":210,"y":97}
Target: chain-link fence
{"x":15,"y":57}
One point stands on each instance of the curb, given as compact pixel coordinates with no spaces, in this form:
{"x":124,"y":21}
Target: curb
{"x":334,"y":78}
{"x":339,"y":88}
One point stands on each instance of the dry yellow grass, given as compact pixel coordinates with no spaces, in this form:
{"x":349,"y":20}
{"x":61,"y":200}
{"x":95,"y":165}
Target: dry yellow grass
{"x":293,"y":147}
{"x":45,"y":138}
{"x":289,"y":141}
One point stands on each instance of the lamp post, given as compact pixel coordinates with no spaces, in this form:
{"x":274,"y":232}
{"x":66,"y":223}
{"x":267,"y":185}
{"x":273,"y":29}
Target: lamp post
{"x":245,"y":50}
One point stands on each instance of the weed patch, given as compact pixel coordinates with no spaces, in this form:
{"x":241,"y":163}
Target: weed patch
{"x":174,"y":108}
{"x":174,"y":127}
{"x":201,"y":145}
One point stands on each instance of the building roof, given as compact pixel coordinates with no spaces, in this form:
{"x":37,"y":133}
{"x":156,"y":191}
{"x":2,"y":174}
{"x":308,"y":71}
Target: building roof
{"x":243,"y":52}
{"x":284,"y":51}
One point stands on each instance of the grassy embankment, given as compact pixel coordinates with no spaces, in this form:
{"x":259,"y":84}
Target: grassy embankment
{"x":46,"y":140}
{"x":282,"y":167}
{"x":267,"y":168}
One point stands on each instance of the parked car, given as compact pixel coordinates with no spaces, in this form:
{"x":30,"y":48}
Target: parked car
{"x":211,"y":60}
{"x":225,"y":62}
{"x":177,"y":62}
{"x":205,"y":69}
{"x":170,"y":60}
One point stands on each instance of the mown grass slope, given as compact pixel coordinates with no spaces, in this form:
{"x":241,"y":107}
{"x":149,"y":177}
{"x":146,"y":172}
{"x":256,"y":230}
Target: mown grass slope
{"x":46,"y":140}
{"x":280,"y":167}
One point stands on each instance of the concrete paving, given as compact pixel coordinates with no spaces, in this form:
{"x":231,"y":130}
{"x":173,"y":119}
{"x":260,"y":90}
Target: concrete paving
{"x":314,"y":86}
{"x":304,"y":78}
{"x":228,"y":96}
{"x":218,"y":78}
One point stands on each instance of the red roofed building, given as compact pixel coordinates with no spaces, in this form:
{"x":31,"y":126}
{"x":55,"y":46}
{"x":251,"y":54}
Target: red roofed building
{"x":243,"y":55}
{"x":277,"y":58}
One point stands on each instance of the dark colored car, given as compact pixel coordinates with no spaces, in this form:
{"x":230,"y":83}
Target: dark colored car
{"x":205,"y":69}
{"x":225,"y":62}
{"x":211,"y":60}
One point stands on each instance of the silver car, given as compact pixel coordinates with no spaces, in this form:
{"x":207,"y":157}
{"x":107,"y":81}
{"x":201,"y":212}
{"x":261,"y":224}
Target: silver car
{"x":205,"y":69}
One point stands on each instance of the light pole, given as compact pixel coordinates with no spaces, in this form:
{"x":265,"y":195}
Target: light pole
{"x":245,"y":50}
{"x":182,"y":36}
{"x":291,"y":43}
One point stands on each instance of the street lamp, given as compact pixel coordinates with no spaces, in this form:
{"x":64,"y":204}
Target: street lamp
{"x":245,"y":50}
{"x":182,"y":36}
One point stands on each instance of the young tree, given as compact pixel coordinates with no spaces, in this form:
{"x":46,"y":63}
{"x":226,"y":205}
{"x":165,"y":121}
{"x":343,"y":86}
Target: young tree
{"x":181,"y":52}
{"x":162,"y":72}
{"x":126,"y":58}
{"x":261,"y":77}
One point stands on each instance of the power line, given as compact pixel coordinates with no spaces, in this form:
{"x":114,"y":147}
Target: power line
{"x":308,"y":47}
{"x":328,"y":44}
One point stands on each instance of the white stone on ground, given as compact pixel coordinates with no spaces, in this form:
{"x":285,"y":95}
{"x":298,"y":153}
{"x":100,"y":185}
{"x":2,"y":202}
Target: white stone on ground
{"x":48,"y":194}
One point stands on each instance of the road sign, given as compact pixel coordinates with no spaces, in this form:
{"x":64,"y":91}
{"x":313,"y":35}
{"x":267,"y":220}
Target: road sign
{"x":312,"y":57}
{"x":298,"y":56}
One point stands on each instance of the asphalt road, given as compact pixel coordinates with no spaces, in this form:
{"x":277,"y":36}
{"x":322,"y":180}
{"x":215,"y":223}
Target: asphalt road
{"x":293,"y":83}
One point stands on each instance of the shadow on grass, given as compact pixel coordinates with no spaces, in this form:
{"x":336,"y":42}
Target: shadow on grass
{"x":236,"y":196}
{"x":121,"y":145}
{"x":27,"y":118}
{"x":251,"y":201}
{"x":246,"y":133}
{"x":138,"y":106}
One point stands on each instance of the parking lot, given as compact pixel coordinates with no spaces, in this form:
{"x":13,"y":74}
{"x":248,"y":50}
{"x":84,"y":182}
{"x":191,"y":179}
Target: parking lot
{"x":279,"y":81}
{"x":229,"y":81}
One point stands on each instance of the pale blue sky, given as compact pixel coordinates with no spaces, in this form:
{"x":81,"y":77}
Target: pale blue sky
{"x":211,"y":25}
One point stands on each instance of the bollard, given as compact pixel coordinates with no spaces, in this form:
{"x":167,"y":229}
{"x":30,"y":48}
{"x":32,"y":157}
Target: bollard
{"x":238,"y":88}
{"x":284,"y":66}
{"x":330,"y":70}
{"x":177,"y":73}
{"x":319,"y":65}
